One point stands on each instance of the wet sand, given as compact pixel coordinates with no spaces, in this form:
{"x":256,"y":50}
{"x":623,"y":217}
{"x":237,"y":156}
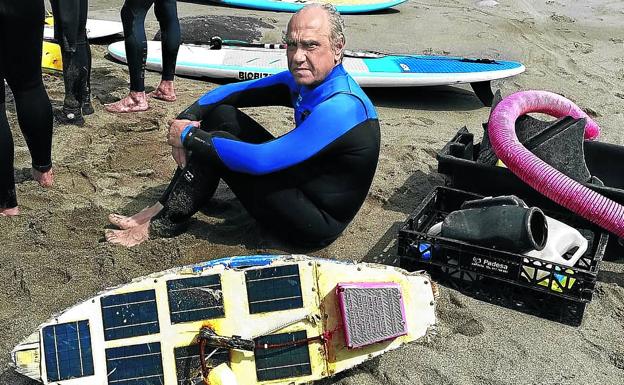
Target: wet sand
{"x":52,"y":256}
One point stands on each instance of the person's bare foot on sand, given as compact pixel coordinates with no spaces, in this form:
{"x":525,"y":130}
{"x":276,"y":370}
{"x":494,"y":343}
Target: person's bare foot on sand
{"x":165,"y":91}
{"x":140,"y":218}
{"x":9,"y":212}
{"x":134,"y":102}
{"x":130,"y":237}
{"x":45,"y":179}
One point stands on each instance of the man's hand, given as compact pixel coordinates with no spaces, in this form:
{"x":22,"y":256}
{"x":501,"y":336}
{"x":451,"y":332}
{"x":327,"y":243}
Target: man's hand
{"x":179,"y":155}
{"x":175,"y":130}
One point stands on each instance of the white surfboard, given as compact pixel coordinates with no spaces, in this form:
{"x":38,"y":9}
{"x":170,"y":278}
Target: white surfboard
{"x":281,"y":320}
{"x":95,"y":29}
{"x":368,"y":69}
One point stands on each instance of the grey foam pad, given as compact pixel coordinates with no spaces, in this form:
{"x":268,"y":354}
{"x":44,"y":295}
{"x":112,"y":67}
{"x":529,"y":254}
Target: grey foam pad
{"x":373,"y":315}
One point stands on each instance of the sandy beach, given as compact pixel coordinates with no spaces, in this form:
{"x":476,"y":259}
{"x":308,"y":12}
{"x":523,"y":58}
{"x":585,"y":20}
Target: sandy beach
{"x":53,"y":255}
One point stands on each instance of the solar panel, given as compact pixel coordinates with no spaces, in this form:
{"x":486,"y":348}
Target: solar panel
{"x":67,"y":349}
{"x":188,"y":366}
{"x":129,"y":315}
{"x":197,"y":298}
{"x":135,"y":365}
{"x":285,"y":362}
{"x":273,"y":289}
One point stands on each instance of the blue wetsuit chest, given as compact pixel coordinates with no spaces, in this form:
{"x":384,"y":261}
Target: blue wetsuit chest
{"x":305,"y":99}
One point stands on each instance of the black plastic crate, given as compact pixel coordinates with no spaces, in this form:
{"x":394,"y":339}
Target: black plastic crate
{"x":456,"y":161}
{"x":513,"y":280}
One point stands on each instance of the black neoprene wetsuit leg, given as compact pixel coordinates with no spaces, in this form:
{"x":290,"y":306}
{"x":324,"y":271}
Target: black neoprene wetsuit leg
{"x":7,"y":178}
{"x":192,"y":187}
{"x":21,"y":35}
{"x":273,"y":200}
{"x":166,"y":12}
{"x":70,"y":20}
{"x":133,"y":17}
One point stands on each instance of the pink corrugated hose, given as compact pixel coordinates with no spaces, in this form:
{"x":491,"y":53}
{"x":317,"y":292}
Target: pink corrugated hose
{"x":538,"y":174}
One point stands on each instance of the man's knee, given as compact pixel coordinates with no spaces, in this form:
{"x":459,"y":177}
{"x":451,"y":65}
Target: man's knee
{"x":224,"y":110}
{"x":221,"y":118}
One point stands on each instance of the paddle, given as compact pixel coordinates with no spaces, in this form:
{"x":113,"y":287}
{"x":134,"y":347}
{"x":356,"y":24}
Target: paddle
{"x":217,"y":43}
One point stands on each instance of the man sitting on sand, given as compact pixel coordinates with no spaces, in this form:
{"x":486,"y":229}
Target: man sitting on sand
{"x":305,"y":186}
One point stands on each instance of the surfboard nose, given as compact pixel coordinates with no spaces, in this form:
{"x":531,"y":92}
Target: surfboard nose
{"x":26,"y":357}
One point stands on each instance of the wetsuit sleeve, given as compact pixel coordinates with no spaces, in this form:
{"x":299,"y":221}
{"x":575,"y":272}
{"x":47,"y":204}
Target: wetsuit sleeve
{"x":270,"y":91}
{"x":329,"y":120}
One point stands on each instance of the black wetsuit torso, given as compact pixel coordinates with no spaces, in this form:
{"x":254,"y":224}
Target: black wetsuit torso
{"x":133,"y":18}
{"x":21,"y":35}
{"x":308,"y":184}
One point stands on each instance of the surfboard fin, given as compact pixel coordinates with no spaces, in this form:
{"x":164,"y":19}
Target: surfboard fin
{"x":483,"y":90}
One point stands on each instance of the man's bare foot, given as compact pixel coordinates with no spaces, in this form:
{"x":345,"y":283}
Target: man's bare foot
{"x":165,"y":91}
{"x":9,"y":212}
{"x":143,"y":216}
{"x":45,"y":179}
{"x":130,"y":237}
{"x":134,"y":102}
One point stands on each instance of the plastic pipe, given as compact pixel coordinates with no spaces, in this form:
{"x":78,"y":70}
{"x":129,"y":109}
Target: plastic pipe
{"x":538,"y":174}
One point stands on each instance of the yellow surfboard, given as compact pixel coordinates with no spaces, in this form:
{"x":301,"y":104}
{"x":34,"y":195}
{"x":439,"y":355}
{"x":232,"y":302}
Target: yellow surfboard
{"x":271,"y":320}
{"x":51,"y":57}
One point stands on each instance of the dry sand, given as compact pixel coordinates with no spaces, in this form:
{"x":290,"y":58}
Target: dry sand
{"x":52,"y":256}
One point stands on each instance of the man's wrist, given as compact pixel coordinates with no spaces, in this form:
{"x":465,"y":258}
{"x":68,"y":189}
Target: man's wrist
{"x":186,"y":133}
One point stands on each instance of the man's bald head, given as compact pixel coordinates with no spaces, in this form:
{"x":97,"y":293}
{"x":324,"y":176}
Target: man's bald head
{"x":334,"y":20}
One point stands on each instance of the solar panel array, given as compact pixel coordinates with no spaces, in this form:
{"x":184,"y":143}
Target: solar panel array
{"x":68,"y":352}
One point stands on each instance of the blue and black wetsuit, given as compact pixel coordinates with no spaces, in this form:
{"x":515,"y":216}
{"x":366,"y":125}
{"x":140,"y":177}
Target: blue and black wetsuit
{"x":21,"y":37}
{"x":306,"y":185}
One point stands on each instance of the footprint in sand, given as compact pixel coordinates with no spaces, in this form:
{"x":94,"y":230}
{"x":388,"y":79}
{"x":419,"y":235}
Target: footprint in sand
{"x":57,"y":275}
{"x":470,"y":328}
{"x":617,"y":359}
{"x":583,"y":47}
{"x":562,"y":18}
{"x":22,"y":288}
{"x":550,"y":2}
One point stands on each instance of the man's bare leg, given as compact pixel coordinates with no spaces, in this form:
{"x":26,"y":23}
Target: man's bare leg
{"x":45,"y":179}
{"x":130,"y":237}
{"x":9,"y":212}
{"x":134,"y":102}
{"x":140,"y":218}
{"x":165,"y":91}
